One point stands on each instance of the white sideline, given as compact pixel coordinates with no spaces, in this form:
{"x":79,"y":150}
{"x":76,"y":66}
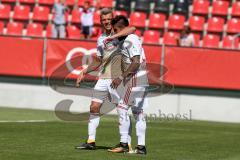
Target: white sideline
{"x":24,"y":121}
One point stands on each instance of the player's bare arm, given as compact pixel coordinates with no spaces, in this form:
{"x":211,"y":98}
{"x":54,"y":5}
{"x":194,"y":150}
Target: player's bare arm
{"x":132,"y":69}
{"x":92,"y":67}
{"x":126,"y":31}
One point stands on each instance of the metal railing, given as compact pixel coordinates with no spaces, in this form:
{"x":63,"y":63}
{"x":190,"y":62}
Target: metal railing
{"x":233,"y":40}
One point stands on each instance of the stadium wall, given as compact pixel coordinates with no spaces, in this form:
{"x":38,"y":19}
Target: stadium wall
{"x":186,"y":67}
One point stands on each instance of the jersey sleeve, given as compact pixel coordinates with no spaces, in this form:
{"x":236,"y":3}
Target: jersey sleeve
{"x":134,"y":46}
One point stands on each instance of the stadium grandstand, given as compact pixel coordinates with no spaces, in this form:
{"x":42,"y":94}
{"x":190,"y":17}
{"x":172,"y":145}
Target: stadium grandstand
{"x":154,"y":19}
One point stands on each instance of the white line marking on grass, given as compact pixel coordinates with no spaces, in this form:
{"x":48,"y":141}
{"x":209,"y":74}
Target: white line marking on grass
{"x":23,"y":121}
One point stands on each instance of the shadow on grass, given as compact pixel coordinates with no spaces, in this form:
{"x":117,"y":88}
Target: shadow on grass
{"x":103,"y":147}
{"x":97,"y":148}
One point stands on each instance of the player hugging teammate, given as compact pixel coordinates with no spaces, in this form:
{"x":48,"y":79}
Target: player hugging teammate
{"x":123,"y":76}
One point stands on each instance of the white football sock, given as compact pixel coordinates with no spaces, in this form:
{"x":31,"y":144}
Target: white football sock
{"x":130,"y":132}
{"x":124,"y":124}
{"x":140,"y":125}
{"x":92,"y":126}
{"x":141,"y":129}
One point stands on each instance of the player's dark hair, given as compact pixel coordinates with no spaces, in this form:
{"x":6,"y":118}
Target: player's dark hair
{"x":120,"y":19}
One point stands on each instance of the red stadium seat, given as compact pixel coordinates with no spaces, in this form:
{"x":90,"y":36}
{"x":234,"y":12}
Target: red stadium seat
{"x":236,"y":9}
{"x":170,"y":38}
{"x":228,"y":42}
{"x":211,"y":41}
{"x":138,"y":19}
{"x":176,"y":22}
{"x":157,"y":20}
{"x":21,"y":12}
{"x":196,"y":39}
{"x":30,"y":2}
{"x":117,"y":13}
{"x":9,"y":1}
{"x":73,"y":32}
{"x":151,"y":36}
{"x":49,"y":31}
{"x":106,"y":3}
{"x":46,"y":2}
{"x":233,"y":25}
{"x":200,"y":7}
{"x":96,"y":32}
{"x":1,"y":27}
{"x":5,"y":11}
{"x":215,"y":24}
{"x":70,"y":2}
{"x":66,"y":16}
{"x":40,"y":13}
{"x":34,"y":30}
{"x":76,"y":16}
{"x":81,"y":2}
{"x":14,"y":28}
{"x":96,"y":18}
{"x":196,"y":23}
{"x":220,"y":8}
{"x":138,"y":33}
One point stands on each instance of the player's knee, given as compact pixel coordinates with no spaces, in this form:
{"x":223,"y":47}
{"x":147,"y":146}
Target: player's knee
{"x":138,"y":113}
{"x":136,"y":110}
{"x":95,"y":107}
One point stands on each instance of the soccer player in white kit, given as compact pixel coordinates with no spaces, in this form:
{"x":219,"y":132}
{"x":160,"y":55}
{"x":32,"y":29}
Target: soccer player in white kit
{"x":131,"y":86}
{"x":102,"y":87}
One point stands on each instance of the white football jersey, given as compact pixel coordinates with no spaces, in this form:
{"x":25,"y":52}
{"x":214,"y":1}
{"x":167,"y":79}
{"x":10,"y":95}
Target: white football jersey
{"x":132,"y":46}
{"x":111,"y":57}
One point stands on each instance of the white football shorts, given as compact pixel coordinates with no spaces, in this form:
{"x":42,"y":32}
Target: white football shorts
{"x":102,"y":91}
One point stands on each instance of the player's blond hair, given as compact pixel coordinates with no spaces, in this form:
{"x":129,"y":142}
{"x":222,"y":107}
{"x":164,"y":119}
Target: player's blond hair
{"x":106,"y":11}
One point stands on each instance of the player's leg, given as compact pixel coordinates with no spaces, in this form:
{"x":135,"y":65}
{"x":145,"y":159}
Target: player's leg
{"x":140,"y":129}
{"x":99,"y":95}
{"x":85,"y":31}
{"x":130,"y":136}
{"x":125,"y":130}
{"x":94,"y":119}
{"x":138,"y":97}
{"x":54,"y":31}
{"x":89,"y":32}
{"x":62,"y":31}
{"x":124,"y":123}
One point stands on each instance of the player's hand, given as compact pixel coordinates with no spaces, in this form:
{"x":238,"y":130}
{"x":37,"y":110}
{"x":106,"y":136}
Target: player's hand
{"x":79,"y":79}
{"x":126,"y":80}
{"x":115,"y":83}
{"x":107,"y":40}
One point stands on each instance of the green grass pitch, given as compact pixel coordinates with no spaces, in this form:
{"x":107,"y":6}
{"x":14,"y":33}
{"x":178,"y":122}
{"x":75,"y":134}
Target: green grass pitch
{"x":166,"y":140}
